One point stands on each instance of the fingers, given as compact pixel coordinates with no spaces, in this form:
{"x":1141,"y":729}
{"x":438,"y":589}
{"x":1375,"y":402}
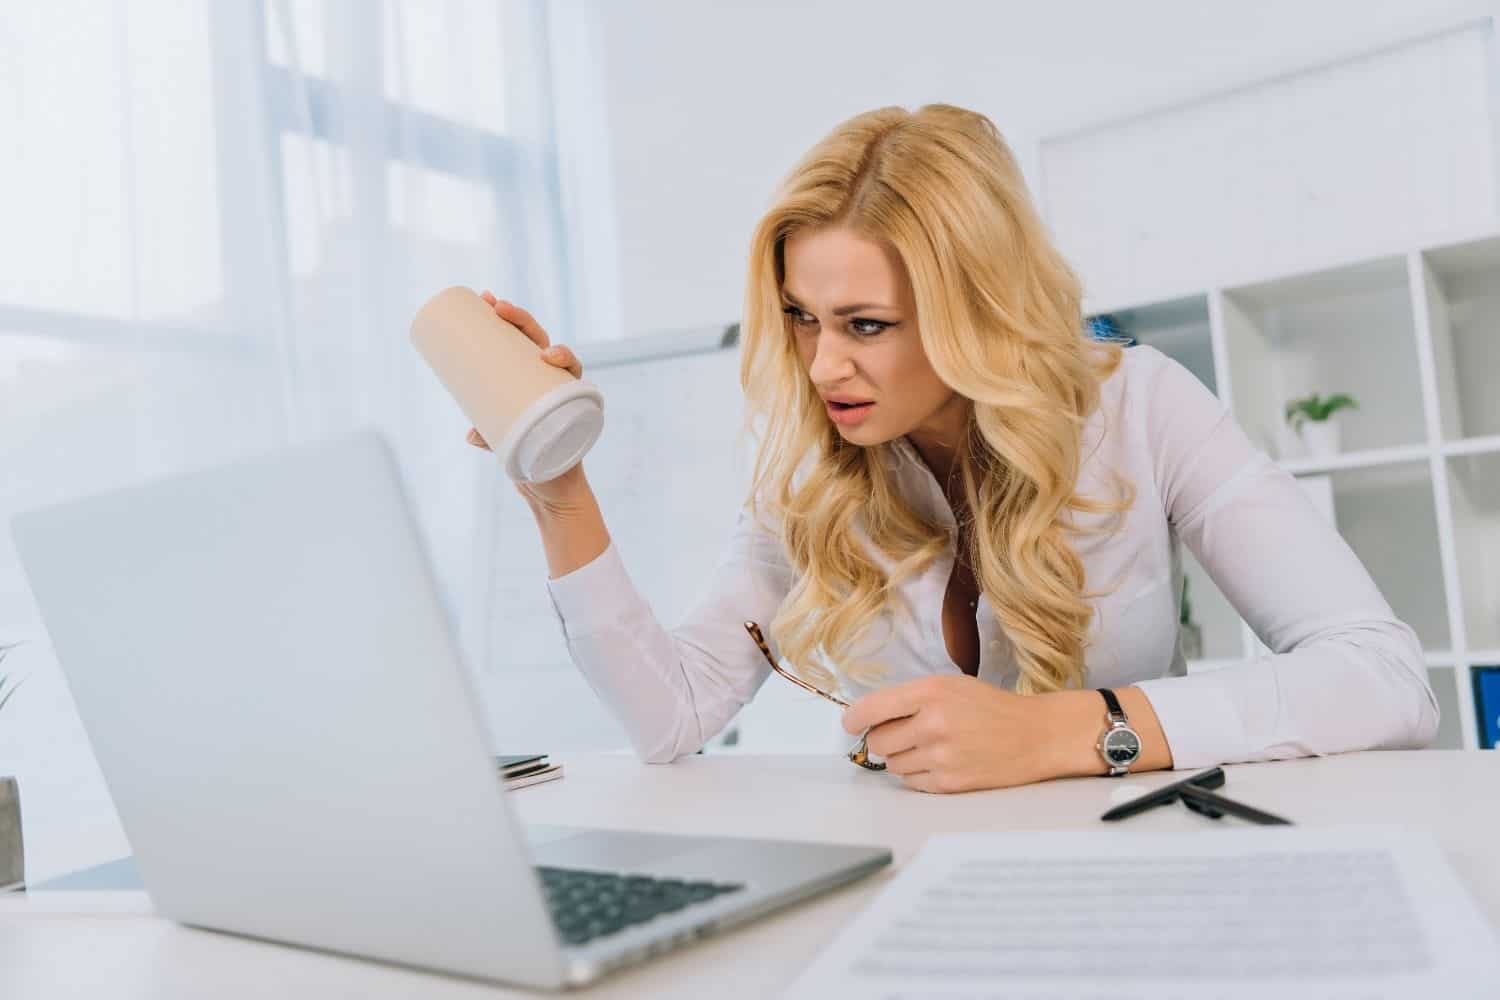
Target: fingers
{"x":558,"y":355}
{"x":518,"y":318}
{"x":563,"y":357}
{"x":882,"y":706}
{"x":929,"y":769}
{"x":477,"y":441}
{"x":895,"y":737}
{"x":911,"y":762}
{"x":932,"y":782}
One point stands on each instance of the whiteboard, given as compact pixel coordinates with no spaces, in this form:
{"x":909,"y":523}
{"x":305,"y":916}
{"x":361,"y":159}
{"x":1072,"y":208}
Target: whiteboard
{"x":671,"y":471}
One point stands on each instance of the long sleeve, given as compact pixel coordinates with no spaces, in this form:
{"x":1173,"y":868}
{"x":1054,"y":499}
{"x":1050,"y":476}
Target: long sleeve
{"x":1344,"y":673}
{"x":673,"y":691}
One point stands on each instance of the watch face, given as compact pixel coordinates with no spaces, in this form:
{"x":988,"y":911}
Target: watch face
{"x":1121,"y":746}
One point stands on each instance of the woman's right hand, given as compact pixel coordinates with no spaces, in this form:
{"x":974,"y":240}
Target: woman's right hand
{"x":554,"y":493}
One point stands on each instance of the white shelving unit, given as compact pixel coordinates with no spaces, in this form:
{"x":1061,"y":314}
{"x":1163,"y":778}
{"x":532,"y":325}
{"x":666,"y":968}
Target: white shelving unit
{"x":1414,"y":336}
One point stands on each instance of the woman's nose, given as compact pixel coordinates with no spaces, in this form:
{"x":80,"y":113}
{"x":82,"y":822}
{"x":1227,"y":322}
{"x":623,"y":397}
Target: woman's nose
{"x":831,"y":362}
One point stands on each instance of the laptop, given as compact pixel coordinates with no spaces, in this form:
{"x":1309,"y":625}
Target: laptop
{"x":261,"y":660}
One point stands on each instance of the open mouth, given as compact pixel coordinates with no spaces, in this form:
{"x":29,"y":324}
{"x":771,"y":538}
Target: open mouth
{"x":848,"y":414}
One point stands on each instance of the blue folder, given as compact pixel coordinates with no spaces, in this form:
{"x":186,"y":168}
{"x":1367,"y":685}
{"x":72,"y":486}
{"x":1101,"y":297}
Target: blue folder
{"x":1487,"y":705}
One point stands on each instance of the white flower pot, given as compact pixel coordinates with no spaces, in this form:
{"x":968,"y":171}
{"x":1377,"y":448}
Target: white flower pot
{"x":1322,"y":438}
{"x":1191,"y":636}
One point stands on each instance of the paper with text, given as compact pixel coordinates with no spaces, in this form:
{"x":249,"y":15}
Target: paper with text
{"x":1334,"y":912}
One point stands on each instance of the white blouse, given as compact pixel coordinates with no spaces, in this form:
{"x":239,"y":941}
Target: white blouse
{"x":1345,"y":674}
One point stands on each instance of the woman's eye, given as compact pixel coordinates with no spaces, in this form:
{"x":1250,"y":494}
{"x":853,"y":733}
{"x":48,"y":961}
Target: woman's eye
{"x":860,"y":327}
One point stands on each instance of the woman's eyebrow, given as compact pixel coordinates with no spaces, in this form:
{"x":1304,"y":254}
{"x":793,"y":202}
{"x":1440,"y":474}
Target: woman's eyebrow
{"x":841,"y":310}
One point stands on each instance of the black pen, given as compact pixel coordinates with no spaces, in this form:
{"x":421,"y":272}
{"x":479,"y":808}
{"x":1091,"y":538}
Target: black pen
{"x":1212,"y":778}
{"x":1203,"y":801}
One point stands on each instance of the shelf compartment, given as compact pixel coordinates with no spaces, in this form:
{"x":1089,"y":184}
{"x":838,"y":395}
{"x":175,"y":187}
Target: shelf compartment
{"x":1463,"y":313}
{"x":1387,"y":515}
{"x":1179,"y":328}
{"x":1216,"y":618}
{"x":1474,"y":495}
{"x":1444,"y":681}
{"x":1348,"y":329}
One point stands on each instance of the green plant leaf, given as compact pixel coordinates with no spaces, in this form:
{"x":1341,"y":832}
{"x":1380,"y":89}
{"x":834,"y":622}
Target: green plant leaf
{"x":1298,"y":411}
{"x":1315,"y":407}
{"x":1337,"y":402}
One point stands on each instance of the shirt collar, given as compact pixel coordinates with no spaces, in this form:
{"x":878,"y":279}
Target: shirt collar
{"x":901,"y":450}
{"x":916,"y":480}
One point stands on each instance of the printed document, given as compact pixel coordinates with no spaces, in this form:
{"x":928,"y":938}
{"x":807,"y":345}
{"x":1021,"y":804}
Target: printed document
{"x":1357,"y":911}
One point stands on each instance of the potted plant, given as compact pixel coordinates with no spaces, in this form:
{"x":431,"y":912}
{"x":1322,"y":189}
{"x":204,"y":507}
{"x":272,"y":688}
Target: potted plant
{"x":1310,"y":418}
{"x":12,"y":856}
{"x":1191,"y":632}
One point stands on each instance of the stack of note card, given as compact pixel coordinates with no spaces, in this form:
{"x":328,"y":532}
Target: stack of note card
{"x":522,"y":769}
{"x":1306,"y":913}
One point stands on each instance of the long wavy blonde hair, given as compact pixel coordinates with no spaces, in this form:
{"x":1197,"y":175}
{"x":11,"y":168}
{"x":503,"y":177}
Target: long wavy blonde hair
{"x":1000,"y":317}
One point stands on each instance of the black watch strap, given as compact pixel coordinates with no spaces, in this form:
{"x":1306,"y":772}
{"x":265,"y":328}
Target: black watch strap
{"x":1112,"y":703}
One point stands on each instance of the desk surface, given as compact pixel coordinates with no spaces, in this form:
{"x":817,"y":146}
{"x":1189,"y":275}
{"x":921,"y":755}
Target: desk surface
{"x":110,"y":945}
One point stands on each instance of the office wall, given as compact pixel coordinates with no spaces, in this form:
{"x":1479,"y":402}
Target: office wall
{"x":710,"y":103}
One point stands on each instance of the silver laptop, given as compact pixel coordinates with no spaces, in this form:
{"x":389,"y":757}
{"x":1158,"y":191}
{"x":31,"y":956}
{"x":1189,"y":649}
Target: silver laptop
{"x":262,"y":663}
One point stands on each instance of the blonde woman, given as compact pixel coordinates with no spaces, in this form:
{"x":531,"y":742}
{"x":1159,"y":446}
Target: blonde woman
{"x":967,"y":514}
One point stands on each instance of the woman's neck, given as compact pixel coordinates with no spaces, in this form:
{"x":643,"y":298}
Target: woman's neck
{"x":937,"y":441}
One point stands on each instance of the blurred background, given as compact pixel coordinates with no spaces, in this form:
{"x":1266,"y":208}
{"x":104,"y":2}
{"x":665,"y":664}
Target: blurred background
{"x":217,"y":219}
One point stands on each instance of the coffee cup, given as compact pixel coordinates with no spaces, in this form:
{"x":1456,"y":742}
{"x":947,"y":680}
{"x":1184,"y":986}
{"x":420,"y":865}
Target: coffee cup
{"x":538,"y":419}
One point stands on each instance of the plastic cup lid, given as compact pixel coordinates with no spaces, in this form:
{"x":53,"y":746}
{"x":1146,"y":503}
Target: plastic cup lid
{"x":558,"y":438}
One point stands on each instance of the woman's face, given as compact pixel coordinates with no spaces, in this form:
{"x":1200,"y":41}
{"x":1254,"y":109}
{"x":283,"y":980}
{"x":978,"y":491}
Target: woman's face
{"x":851,"y":310}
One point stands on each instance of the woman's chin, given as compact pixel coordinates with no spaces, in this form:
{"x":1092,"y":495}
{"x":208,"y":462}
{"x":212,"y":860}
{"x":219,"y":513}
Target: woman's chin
{"x":863,"y":435}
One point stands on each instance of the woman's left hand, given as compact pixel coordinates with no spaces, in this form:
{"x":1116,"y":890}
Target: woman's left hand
{"x":956,"y":734}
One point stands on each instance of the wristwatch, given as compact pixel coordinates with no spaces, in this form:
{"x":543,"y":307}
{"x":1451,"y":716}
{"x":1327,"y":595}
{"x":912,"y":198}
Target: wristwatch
{"x":1120,"y":745}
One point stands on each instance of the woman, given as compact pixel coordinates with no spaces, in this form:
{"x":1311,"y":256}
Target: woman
{"x":966,"y":512}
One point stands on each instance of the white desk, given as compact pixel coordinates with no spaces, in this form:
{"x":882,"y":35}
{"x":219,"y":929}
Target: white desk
{"x":109,"y":945}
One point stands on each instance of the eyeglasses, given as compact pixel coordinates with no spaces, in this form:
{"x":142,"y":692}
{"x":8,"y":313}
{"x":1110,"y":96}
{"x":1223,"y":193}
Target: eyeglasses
{"x":1194,"y":793}
{"x":860,"y":754}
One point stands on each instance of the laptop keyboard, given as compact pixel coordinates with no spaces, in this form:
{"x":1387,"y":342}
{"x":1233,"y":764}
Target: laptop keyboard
{"x":588,"y":904}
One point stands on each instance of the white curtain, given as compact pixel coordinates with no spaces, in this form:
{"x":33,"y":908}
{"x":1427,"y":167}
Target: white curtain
{"x":218,"y":219}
